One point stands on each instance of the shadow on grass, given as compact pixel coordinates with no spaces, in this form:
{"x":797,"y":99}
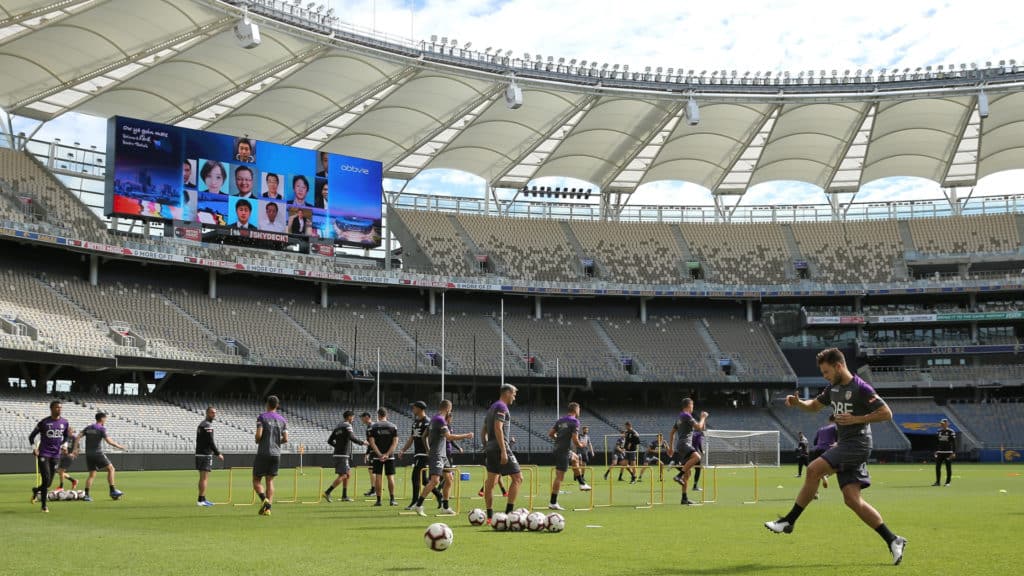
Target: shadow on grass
{"x":751,"y":568}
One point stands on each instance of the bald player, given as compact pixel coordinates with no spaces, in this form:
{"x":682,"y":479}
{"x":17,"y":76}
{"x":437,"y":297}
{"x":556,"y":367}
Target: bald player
{"x":680,"y":444}
{"x":565,"y":433}
{"x":498,"y":456}
{"x":271,"y":433}
{"x":341,"y":439}
{"x":855,"y":405}
{"x":438,"y":436}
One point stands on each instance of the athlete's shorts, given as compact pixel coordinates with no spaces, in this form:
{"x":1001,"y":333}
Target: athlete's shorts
{"x":561,"y":460}
{"x":816,"y":453}
{"x":420,"y":461}
{"x":492,"y":458}
{"x":682,"y":454}
{"x":850,"y":464}
{"x":584,"y":457}
{"x":66,"y":461}
{"x":341,"y":466}
{"x":204,"y":462}
{"x":96,"y":462}
{"x":438,"y":465}
{"x":629,"y":457}
{"x":387,"y":468}
{"x":264,"y":465}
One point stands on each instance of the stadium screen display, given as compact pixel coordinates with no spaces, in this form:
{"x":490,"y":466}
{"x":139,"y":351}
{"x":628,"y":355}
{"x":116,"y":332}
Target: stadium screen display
{"x":161,"y":172}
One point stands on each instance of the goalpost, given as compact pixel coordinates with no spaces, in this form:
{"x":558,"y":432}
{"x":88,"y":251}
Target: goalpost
{"x":738,"y":449}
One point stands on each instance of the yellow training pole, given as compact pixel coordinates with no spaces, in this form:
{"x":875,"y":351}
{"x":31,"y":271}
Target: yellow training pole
{"x":320,"y":490}
{"x":252,"y":499}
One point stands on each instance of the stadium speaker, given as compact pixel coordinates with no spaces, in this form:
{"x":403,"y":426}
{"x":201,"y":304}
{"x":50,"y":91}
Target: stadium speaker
{"x":513,"y":95}
{"x":692,"y":112}
{"x":982,"y":104}
{"x":247,"y":33}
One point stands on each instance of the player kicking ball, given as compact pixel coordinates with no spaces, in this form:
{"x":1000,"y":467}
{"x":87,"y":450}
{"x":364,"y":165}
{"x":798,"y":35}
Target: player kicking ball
{"x":855,"y":405}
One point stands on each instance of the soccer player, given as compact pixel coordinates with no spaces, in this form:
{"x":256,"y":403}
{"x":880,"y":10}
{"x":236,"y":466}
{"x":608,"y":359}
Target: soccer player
{"x":438,"y":436}
{"x":618,"y":457}
{"x":418,"y":440}
{"x":206,"y":449}
{"x":698,"y":445}
{"x":565,"y":433}
{"x":945,"y":451}
{"x":855,"y":405}
{"x":498,"y":456}
{"x":367,"y":421}
{"x":655,"y":455}
{"x":801,"y":454}
{"x":681,"y":448}
{"x":271,"y":432}
{"x":95,"y":459}
{"x":824,"y":438}
{"x":53,"y":432}
{"x":631,"y":448}
{"x":341,"y":439}
{"x":66,"y":460}
{"x":586,"y":451}
{"x":383,"y":441}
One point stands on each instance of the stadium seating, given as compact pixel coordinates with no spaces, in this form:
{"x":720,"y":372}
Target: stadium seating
{"x":965,"y":234}
{"x":755,"y":354}
{"x":745,"y":254}
{"x":524,"y":248}
{"x":438,"y":238}
{"x":571,"y":339}
{"x":645,"y":253}
{"x":668,"y":346}
{"x":850,"y":252}
{"x":995,"y":424}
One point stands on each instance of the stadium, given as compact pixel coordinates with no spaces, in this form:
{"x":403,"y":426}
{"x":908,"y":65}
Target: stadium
{"x":129,"y":289}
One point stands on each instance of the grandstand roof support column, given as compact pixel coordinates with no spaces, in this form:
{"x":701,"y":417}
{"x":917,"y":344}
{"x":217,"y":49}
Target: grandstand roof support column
{"x":750,"y":310}
{"x":212,"y":288}
{"x":953,"y":198}
{"x":323,"y":295}
{"x":537,"y":311}
{"x":643,"y":310}
{"x":94,"y":269}
{"x":432,"y":295}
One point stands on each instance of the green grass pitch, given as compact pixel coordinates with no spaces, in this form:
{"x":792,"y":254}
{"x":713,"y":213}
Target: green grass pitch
{"x":972,"y":527}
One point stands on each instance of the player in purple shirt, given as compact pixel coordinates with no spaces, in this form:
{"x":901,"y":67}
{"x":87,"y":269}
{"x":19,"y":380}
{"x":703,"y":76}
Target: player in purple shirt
{"x":698,"y":445}
{"x":498,"y":456}
{"x":271,"y":433}
{"x":438,"y":436}
{"x":680,"y":445}
{"x":95,"y":458}
{"x":824,"y":438}
{"x":53,"y":432}
{"x":855,"y":405}
{"x":565,"y":433}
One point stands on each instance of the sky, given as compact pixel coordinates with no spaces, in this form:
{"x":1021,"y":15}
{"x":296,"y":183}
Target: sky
{"x":788,"y":35}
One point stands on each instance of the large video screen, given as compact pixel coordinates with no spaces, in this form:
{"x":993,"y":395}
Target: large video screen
{"x":156,"y":171}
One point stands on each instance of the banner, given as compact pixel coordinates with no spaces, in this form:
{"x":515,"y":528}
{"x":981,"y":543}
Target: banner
{"x":921,"y":424}
{"x":976,"y":316}
{"x":834,"y":320}
{"x":901,"y":318}
{"x":942,"y":350}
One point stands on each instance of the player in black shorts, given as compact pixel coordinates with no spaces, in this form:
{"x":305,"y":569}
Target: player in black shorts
{"x":383,"y":442}
{"x":418,"y":441}
{"x":367,"y":421}
{"x":855,"y":405}
{"x":631,"y":446}
{"x":945,"y":451}
{"x":95,"y":458}
{"x":67,"y":459}
{"x":802,"y":454}
{"x":498,"y":456}
{"x":206,"y":450}
{"x":341,"y":440}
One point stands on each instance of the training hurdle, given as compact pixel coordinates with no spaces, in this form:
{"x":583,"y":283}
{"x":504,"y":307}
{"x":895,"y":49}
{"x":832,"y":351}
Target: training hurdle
{"x":295,"y":498}
{"x":231,"y":487}
{"x":651,"y":502}
{"x":402,"y":477}
{"x":714,"y":484}
{"x":531,"y":480}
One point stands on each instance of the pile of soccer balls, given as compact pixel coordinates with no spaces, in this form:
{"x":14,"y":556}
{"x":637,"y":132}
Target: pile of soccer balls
{"x":520,"y":520}
{"x":65,"y":495}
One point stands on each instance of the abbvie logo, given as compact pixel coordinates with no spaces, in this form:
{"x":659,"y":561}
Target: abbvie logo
{"x":357,"y":170}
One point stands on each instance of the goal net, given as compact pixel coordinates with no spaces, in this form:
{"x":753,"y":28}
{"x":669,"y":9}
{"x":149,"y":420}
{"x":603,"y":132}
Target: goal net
{"x":741,"y":448}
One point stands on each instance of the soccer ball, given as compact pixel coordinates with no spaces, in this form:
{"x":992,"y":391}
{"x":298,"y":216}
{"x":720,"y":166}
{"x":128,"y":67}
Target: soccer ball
{"x":499,"y":521}
{"x":556,"y":522}
{"x":516,"y":522}
{"x":72,"y":494}
{"x":477,"y":517}
{"x":438,"y":537}
{"x":81,"y":494}
{"x":63,"y":495}
{"x":52,"y":495}
{"x":523,"y":512}
{"x":536,"y":522}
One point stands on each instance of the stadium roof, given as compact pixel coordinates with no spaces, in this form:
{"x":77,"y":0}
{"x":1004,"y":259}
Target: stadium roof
{"x":418,"y":106}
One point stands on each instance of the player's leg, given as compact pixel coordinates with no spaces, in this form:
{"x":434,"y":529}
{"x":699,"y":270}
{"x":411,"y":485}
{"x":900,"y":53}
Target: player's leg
{"x":815,"y":472}
{"x":949,"y":468}
{"x":88,"y":483}
{"x":257,"y":486}
{"x":867,"y":513}
{"x":424,"y":492}
{"x":270,"y":491}
{"x":696,"y":475}
{"x":46,"y":472}
{"x":378,"y":479}
{"x":391,"y":484}
{"x":513,"y":490}
{"x":203,"y":478}
{"x":417,"y":480}
{"x":488,"y":491}
{"x":556,"y":485}
{"x":111,"y":472}
{"x":938,"y":469}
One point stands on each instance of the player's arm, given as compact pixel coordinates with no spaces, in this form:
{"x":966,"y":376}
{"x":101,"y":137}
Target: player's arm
{"x":110,"y":441}
{"x":952,"y":446}
{"x":391,"y":450}
{"x":332,"y":440}
{"x":576,"y":440}
{"x":456,"y":437}
{"x":32,"y":436}
{"x":552,"y":433}
{"x":405,"y":446}
{"x":78,"y":440}
{"x":812,"y":405}
{"x":672,"y":440}
{"x":259,"y":431}
{"x":699,"y":424}
{"x":284,"y":436}
{"x":373,"y":446}
{"x":499,"y":437}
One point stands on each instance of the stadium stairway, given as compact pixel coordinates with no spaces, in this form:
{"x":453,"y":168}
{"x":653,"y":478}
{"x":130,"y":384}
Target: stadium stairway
{"x":1020,"y":226}
{"x":617,"y":352}
{"x":411,"y":343}
{"x":574,"y":243}
{"x":712,"y":344}
{"x":794,"y":250}
{"x":684,"y":246}
{"x":602,"y":418}
{"x":906,"y":236}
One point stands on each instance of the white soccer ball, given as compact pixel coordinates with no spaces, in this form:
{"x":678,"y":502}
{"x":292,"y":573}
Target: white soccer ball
{"x":51,"y":495}
{"x":72,"y":494}
{"x":556,"y":522}
{"x":63,"y":495}
{"x":499,"y":521}
{"x":523,"y":512}
{"x":477,"y":517}
{"x":438,"y":537}
{"x":536,"y":522}
{"x":516,"y":522}
{"x":81,"y":494}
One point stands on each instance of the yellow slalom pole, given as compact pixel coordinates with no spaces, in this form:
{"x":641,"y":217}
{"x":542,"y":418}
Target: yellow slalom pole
{"x":591,"y":491}
{"x":295,"y":489}
{"x":650,"y":500}
{"x":228,"y":501}
{"x":320,"y":490}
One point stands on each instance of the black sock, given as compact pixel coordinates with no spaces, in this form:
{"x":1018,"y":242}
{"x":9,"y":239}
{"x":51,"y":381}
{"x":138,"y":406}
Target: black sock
{"x":344,"y":491}
{"x":444,"y":504}
{"x":112,"y":488}
{"x":201,"y":498}
{"x":329,"y":490}
{"x":261,"y":496}
{"x":554,"y":497}
{"x":508,"y":508}
{"x":86,"y":492}
{"x":490,"y":512}
{"x":885,"y":533}
{"x":794,"y":513}
{"x":419,"y":501}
